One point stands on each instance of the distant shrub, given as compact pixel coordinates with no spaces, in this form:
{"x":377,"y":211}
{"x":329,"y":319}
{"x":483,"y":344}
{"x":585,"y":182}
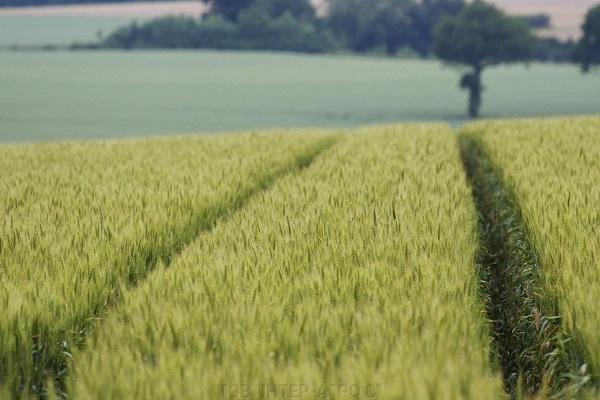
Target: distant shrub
{"x":257,"y":30}
{"x":553,"y":50}
{"x":167,"y":32}
{"x":214,"y":32}
{"x":537,"y":21}
{"x":587,"y":52}
{"x":254,"y":30}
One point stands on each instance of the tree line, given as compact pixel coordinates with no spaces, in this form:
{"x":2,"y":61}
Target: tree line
{"x":474,"y":35}
{"x":355,"y":25}
{"x":385,"y":26}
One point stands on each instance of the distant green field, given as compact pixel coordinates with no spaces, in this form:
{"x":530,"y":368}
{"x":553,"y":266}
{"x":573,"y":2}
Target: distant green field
{"x":111,"y":94}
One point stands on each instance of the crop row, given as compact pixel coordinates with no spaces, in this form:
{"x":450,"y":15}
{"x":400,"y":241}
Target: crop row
{"x":83,"y":221}
{"x":551,"y":169}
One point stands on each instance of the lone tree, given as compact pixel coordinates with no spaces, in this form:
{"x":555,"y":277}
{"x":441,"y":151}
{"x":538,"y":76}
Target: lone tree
{"x":587,"y":52}
{"x":481,"y":36}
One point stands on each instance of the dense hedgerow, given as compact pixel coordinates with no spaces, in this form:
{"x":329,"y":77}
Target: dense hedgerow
{"x":353,"y":276}
{"x":253,"y":30}
{"x":82,"y":221}
{"x":551,"y":168}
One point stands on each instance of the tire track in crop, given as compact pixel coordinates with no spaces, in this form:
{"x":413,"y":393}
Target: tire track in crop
{"x":534,"y":354}
{"x":57,"y":373}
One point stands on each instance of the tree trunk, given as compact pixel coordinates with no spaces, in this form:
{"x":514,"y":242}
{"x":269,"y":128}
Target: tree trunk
{"x":471,"y":81}
{"x":475,"y":93}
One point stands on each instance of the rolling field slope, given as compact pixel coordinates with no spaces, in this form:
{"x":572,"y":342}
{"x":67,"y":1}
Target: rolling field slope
{"x":81,"y":222}
{"x":388,"y":262}
{"x":343,"y":276}
{"x":356,"y":272}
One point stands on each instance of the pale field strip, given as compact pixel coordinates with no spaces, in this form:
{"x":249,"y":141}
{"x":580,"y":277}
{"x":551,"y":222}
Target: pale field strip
{"x":567,"y":15}
{"x":142,"y":9}
{"x":147,"y":9}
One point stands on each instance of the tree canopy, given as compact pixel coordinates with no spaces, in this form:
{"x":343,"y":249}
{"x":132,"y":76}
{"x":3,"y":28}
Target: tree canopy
{"x":425,"y":16}
{"x":300,"y":9}
{"x":481,"y":35}
{"x":478,"y":37}
{"x":253,"y":30}
{"x":587,"y":52}
{"x":364,"y":25}
{"x":231,"y":9}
